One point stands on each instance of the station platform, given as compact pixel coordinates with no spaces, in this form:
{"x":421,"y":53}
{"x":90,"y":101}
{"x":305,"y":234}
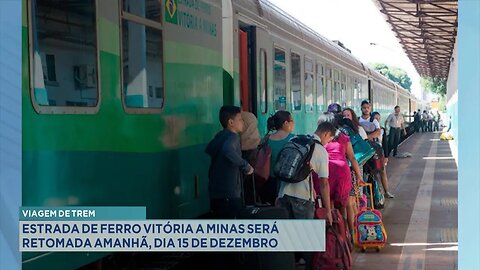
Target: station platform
{"x":422,"y":220}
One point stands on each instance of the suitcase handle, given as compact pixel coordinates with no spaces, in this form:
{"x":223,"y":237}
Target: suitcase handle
{"x":369,"y":185}
{"x":255,"y":202}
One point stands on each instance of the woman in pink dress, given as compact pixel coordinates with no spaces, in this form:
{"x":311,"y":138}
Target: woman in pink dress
{"x":339,"y":178}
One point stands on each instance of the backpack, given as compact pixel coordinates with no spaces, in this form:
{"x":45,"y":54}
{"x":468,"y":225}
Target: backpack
{"x":369,"y":229}
{"x":376,"y":163}
{"x":293,"y":161}
{"x":262,"y":163}
{"x":337,"y":254}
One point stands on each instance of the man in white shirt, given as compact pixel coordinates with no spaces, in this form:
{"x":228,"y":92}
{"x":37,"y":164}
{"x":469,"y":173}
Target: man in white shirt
{"x":373,"y":135}
{"x":376,"y":136}
{"x":298,"y":198}
{"x":396,"y":123}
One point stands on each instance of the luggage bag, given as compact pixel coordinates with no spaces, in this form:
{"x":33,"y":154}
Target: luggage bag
{"x":264,"y":260}
{"x":337,"y":254}
{"x":369,"y":231}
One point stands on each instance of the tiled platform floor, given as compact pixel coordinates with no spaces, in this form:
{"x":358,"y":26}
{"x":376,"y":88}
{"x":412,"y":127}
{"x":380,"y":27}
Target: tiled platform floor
{"x":421,"y":221}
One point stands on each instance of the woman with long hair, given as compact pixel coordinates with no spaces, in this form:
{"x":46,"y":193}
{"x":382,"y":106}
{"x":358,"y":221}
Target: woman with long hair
{"x":282,"y":124}
{"x":353,"y":119}
{"x":340,"y":179}
{"x":350,"y":114}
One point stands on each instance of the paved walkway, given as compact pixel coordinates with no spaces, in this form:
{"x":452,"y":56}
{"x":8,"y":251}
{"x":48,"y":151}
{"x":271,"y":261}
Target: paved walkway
{"x":421,"y":221}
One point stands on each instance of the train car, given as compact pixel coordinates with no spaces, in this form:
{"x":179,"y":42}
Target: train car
{"x":403,"y":100}
{"x":120,"y":97}
{"x":291,"y":66}
{"x":382,"y":94}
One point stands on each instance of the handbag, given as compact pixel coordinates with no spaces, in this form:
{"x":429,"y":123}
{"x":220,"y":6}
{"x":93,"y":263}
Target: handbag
{"x":263,"y":162}
{"x":361,"y":149}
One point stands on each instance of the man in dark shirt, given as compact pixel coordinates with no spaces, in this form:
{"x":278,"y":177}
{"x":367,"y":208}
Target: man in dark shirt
{"x":227,"y":165}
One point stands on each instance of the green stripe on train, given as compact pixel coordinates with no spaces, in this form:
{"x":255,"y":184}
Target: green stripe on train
{"x":171,"y":184}
{"x":188,"y":119}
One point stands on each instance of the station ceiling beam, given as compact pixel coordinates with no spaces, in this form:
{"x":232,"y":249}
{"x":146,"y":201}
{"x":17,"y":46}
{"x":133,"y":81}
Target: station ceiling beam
{"x":426,"y":29}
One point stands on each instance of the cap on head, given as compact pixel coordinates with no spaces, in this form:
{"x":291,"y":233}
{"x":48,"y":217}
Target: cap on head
{"x":334,"y":108}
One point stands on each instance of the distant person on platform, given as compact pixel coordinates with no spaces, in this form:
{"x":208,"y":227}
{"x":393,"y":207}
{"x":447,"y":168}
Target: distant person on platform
{"x":424,"y":121}
{"x":396,"y":123}
{"x":226,"y":165}
{"x":437,"y":121}
{"x":418,"y":121}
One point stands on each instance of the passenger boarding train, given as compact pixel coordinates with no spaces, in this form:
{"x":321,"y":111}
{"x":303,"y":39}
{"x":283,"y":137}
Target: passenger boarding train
{"x":119,"y":98}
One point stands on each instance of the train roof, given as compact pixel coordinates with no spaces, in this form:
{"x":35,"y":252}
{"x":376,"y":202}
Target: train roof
{"x":377,"y":76}
{"x":279,"y":21}
{"x":274,"y":18}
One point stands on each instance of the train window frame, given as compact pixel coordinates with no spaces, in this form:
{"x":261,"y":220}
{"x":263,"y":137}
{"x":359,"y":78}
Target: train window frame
{"x":320,"y":74}
{"x":343,"y":89}
{"x":313,"y":92}
{"x":328,"y":81}
{"x":54,"y":109}
{"x":284,"y":65}
{"x":263,"y":81}
{"x":349,"y":91}
{"x":292,"y":101}
{"x":157,"y":25}
{"x":336,"y":86}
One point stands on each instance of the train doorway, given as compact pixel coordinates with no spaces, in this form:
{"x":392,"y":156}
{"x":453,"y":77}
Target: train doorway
{"x":247,"y":56}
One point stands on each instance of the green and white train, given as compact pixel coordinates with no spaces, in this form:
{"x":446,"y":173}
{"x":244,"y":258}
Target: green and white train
{"x":119,"y":98}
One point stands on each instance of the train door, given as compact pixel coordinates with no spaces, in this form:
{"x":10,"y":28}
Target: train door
{"x":247,"y":56}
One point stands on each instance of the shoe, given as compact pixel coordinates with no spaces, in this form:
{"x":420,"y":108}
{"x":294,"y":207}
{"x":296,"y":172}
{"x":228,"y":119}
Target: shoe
{"x":389,"y":195}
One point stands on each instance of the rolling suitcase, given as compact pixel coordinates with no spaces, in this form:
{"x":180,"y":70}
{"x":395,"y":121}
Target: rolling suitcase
{"x":369,"y":231}
{"x":264,"y":260}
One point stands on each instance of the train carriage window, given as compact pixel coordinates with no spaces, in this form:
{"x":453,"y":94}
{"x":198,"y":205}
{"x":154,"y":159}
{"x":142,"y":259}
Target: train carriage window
{"x":320,"y":86}
{"x":328,"y":74}
{"x":309,"y":83}
{"x":64,"y":56}
{"x":343,"y":89}
{"x":280,"y":81}
{"x":295,"y":82}
{"x":149,"y":9}
{"x":336,"y":86}
{"x":263,"y":81}
{"x":356,"y":92}
{"x":142,"y":55}
{"x":349,"y":91}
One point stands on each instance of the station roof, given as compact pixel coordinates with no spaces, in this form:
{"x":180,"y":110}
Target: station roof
{"x":426,"y":29}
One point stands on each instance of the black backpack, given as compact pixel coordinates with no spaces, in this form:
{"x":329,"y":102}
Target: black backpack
{"x":293,"y":161}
